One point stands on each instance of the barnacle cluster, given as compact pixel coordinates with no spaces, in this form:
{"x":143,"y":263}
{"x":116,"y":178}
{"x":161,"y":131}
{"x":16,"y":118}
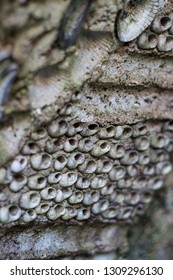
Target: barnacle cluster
{"x":80,"y":170}
{"x":159,"y":35}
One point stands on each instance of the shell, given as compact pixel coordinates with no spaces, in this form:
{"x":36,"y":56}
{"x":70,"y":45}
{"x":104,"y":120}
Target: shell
{"x":147,"y":41}
{"x":161,"y":24}
{"x":19,"y":164}
{"x":165,"y":42}
{"x":135,"y":18}
{"x":72,"y":22}
{"x":9,"y":213}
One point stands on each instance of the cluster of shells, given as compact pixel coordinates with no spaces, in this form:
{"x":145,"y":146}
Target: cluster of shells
{"x":159,"y":35}
{"x":78,"y":170}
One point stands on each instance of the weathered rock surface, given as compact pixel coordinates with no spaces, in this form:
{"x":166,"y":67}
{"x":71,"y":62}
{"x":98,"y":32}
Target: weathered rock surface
{"x":105,"y":86}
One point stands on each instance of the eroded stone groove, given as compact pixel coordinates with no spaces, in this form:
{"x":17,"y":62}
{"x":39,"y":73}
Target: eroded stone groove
{"x":83,"y":170}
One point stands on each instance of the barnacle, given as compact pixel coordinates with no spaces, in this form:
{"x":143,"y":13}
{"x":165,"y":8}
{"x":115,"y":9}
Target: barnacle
{"x":147,"y":40}
{"x":136,"y":16}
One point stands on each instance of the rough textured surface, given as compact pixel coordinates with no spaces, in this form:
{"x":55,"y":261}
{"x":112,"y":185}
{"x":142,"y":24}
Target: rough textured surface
{"x":66,"y":240}
{"x":117,"y":85}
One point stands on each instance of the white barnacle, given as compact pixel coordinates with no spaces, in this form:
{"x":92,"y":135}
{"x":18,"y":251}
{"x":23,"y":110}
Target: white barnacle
{"x":42,"y":208}
{"x":48,"y":193}
{"x":104,"y":166}
{"x":124,"y":213}
{"x":161,"y":24}
{"x":68,"y":179}
{"x":155,"y":183}
{"x":139,"y":129}
{"x":29,"y":216}
{"x":158,"y":155}
{"x":19,"y":164}
{"x":168,"y":126}
{"x":30,"y":148}
{"x":85,"y":145}
{"x":37,"y":182}
{"x":124,"y":183}
{"x":53,"y":146}
{"x":60,"y":162}
{"x":110,"y":213}
{"x":144,"y":159}
{"x":117,"y":197}
{"x":100,"y":206}
{"x":130,"y":157}
{"x":75,"y":159}
{"x":74,"y":128}
{"x":57,"y":128}
{"x":98,"y":182}
{"x":14,"y":213}
{"x":100,"y":148}
{"x":133,"y":198}
{"x":142,"y":143}
{"x":165,"y":42}
{"x":123,"y":132}
{"x":55,"y":212}
{"x":116,"y":151}
{"x":83,"y":214}
{"x":132,"y":170}
{"x":149,"y":170}
{"x":66,"y":110}
{"x":106,"y":132}
{"x":147,"y":40}
{"x":90,"y":197}
{"x":70,"y":145}
{"x":63,"y":194}
{"x":163,"y":168}
{"x":70,"y":213}
{"x":146,"y":196}
{"x":10,"y":213}
{"x":19,"y":181}
{"x":140,"y":183}
{"x":54,"y":178}
{"x":76,"y":197}
{"x":90,"y":129}
{"x":117,"y":173}
{"x":82,"y":183}
{"x":88,"y":167}
{"x":38,"y":134}
{"x":29,"y":200}
{"x":108,"y":189}
{"x":159,"y":140}
{"x":41,"y":161}
{"x":139,"y":209}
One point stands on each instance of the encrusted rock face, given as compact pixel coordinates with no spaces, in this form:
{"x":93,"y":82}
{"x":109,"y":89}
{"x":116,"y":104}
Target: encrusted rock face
{"x":87,"y":135}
